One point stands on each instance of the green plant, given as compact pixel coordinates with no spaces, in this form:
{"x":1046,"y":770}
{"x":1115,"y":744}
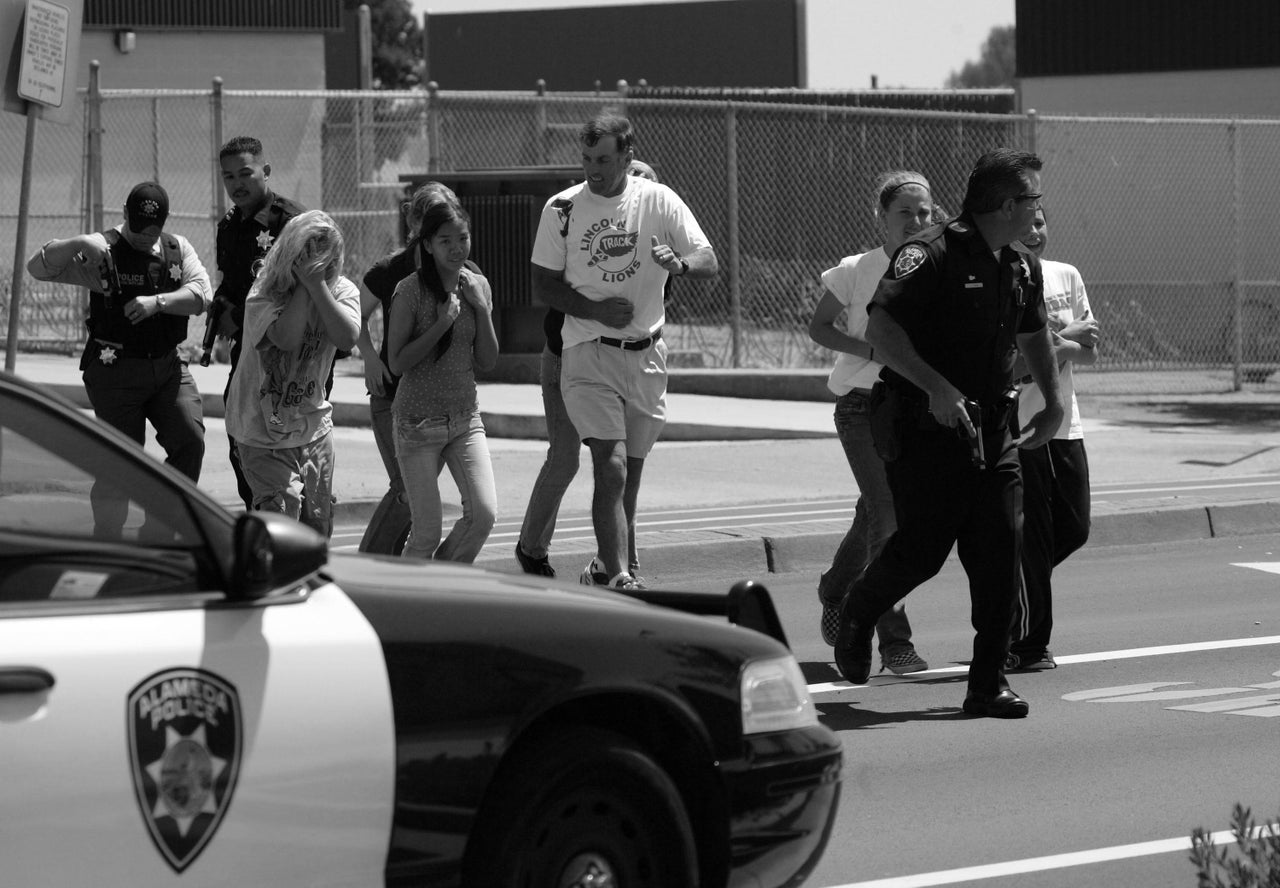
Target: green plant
{"x":1254,"y":863}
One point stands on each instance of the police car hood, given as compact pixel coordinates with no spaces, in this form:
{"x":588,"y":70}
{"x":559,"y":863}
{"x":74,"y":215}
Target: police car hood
{"x":420,"y":591}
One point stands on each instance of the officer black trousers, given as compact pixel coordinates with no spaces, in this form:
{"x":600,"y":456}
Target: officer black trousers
{"x":127,"y":394}
{"x":941,"y":500}
{"x":1055,"y":523}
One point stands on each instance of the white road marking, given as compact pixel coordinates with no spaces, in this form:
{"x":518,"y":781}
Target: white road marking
{"x":827,"y":687}
{"x":1267,"y":566}
{"x":1040,"y":864}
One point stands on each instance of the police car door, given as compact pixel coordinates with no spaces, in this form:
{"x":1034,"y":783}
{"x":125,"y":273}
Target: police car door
{"x":152,"y":732}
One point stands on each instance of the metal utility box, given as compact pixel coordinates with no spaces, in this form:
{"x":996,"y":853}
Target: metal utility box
{"x":504,"y":205}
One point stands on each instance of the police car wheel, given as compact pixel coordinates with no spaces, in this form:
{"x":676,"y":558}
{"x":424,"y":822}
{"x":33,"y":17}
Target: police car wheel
{"x":583,"y":807}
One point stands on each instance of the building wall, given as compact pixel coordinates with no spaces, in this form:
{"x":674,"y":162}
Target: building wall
{"x":1241,"y":92}
{"x":191,"y":59}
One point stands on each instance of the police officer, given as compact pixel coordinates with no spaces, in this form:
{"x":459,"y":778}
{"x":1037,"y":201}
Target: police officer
{"x":144,"y":283}
{"x":245,"y":234}
{"x":955,"y":306}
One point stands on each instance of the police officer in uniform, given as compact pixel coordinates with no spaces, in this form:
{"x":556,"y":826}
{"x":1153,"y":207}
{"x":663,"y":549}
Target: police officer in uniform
{"x":144,"y":283}
{"x":954,"y":308}
{"x":245,"y":234}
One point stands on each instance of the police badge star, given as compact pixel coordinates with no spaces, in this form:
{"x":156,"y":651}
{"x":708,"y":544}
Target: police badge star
{"x":909,"y":258}
{"x":107,"y":355}
{"x":264,"y":240}
{"x":175,"y":271}
{"x":185,"y":744}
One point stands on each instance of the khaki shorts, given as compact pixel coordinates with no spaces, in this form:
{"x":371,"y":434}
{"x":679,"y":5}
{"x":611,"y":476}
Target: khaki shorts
{"x":616,"y":395}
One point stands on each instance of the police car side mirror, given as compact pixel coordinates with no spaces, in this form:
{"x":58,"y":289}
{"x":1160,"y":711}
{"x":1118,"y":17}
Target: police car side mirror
{"x":273,"y":551}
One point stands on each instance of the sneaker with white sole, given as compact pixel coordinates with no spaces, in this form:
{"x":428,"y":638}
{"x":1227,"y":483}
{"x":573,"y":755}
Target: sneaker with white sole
{"x":903,"y":662}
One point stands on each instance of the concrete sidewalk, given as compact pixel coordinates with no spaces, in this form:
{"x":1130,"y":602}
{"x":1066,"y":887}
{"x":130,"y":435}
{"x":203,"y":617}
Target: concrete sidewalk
{"x":723,"y":450}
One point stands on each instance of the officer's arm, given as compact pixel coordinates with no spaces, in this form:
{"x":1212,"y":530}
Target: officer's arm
{"x":195,"y":294}
{"x":550,"y":289}
{"x":73,"y":260}
{"x":1038,"y":353}
{"x":893,"y":348}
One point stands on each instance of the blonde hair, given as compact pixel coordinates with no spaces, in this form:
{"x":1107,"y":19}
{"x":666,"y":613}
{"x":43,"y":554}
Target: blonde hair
{"x":310,"y":241}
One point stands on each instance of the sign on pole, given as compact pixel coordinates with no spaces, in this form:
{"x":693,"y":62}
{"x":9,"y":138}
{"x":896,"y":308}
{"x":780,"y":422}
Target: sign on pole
{"x":43,"y":74}
{"x":42,"y":85}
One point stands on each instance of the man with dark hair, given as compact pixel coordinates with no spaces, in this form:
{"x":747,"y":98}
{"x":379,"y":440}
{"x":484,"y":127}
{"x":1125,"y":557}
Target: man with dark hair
{"x":143,"y":284}
{"x":603,"y":252}
{"x":948,"y":319}
{"x":245,"y":234}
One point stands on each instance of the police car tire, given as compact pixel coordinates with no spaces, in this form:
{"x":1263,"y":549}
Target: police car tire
{"x":583,"y":795}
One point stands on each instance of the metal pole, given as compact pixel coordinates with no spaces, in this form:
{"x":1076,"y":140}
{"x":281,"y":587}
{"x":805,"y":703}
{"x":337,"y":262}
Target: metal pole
{"x":735,"y":253}
{"x":95,"y":146}
{"x":20,"y":240}
{"x":215,"y":134}
{"x":433,"y":122}
{"x":155,"y":139}
{"x":1237,"y":259}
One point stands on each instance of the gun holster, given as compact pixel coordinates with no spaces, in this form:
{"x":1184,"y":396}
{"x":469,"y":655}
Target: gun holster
{"x":886,"y":412}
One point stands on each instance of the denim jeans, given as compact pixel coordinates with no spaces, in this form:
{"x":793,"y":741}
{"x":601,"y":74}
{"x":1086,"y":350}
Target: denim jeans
{"x":389,"y":526}
{"x":561,"y":465}
{"x":873,"y":521}
{"x":423,"y":449}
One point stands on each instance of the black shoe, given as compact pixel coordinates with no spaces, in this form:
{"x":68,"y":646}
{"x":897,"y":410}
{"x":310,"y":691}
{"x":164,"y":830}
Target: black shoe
{"x":853,"y":651}
{"x":1005,"y":704}
{"x":537,"y":566}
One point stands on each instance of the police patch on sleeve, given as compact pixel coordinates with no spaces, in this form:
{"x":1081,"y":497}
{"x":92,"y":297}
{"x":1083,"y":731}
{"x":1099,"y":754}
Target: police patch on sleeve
{"x":185,"y":737}
{"x":909,"y":258}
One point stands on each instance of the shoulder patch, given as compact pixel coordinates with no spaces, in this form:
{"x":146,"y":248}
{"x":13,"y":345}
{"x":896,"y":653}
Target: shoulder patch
{"x":907,"y":260}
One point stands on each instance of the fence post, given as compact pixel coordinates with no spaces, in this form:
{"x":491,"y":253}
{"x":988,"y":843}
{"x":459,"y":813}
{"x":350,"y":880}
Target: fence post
{"x":433,"y":127}
{"x":735,"y":259}
{"x":1032,"y":118}
{"x":1237,"y":258}
{"x":540,"y":124}
{"x":94,"y":137}
{"x":219,"y":204}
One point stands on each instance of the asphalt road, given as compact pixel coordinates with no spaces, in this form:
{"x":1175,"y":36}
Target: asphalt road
{"x":1157,"y":721}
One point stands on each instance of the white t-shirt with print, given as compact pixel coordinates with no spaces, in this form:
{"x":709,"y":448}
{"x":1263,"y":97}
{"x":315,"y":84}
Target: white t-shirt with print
{"x":605,"y":251}
{"x":853,"y":282}
{"x":1064,"y":301}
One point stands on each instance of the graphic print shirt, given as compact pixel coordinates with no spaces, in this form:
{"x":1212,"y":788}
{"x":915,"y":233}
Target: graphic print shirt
{"x":604,"y":251}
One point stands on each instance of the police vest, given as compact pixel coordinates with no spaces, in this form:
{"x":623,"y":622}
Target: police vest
{"x":140,"y":274}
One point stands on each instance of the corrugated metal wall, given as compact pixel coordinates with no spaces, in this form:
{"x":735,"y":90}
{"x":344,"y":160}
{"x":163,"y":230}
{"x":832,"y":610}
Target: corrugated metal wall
{"x":215,"y":15}
{"x":1071,"y":37}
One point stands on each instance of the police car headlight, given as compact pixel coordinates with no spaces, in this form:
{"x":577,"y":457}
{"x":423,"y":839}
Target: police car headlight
{"x":775,"y":696}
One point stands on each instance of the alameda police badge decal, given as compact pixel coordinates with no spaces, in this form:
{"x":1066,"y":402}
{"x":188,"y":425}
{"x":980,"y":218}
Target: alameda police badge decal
{"x":909,"y":258}
{"x":185,"y":737}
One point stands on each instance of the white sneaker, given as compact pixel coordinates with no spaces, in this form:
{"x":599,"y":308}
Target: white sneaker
{"x":624,"y":580}
{"x":593,"y":574}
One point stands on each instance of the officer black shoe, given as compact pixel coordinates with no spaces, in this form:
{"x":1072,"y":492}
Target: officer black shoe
{"x":853,"y":651}
{"x":1005,"y":704}
{"x":537,"y":566}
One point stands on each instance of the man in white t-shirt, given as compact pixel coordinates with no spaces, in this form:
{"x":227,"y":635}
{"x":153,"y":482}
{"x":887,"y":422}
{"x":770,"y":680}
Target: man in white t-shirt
{"x":602,"y":254}
{"x":1055,"y":498}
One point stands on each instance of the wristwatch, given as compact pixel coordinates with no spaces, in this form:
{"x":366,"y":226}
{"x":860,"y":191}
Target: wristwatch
{"x":684,"y":267}
{"x":161,"y":302}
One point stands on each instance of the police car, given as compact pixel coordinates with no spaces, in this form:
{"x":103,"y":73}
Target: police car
{"x":210,"y":699}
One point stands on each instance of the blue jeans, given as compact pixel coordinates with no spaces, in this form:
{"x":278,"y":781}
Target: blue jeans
{"x":873,"y":521}
{"x":561,"y":465}
{"x":423,"y":449}
{"x":389,"y":526}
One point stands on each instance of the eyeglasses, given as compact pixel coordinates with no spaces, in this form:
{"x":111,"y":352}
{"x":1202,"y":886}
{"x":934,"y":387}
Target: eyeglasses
{"x":1032,"y":196}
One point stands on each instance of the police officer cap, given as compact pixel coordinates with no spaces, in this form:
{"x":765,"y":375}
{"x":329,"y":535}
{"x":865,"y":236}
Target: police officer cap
{"x":148,"y":205}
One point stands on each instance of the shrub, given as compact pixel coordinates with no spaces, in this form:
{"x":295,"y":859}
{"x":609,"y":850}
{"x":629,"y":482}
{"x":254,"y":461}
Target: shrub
{"x":1253,"y":863}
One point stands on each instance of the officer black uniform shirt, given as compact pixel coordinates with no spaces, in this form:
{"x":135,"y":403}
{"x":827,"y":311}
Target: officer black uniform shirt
{"x":242,"y":243}
{"x":942,"y":289}
{"x":140,"y":274}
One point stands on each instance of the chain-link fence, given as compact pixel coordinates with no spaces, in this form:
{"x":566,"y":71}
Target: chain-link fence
{"x":1166,"y":218}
